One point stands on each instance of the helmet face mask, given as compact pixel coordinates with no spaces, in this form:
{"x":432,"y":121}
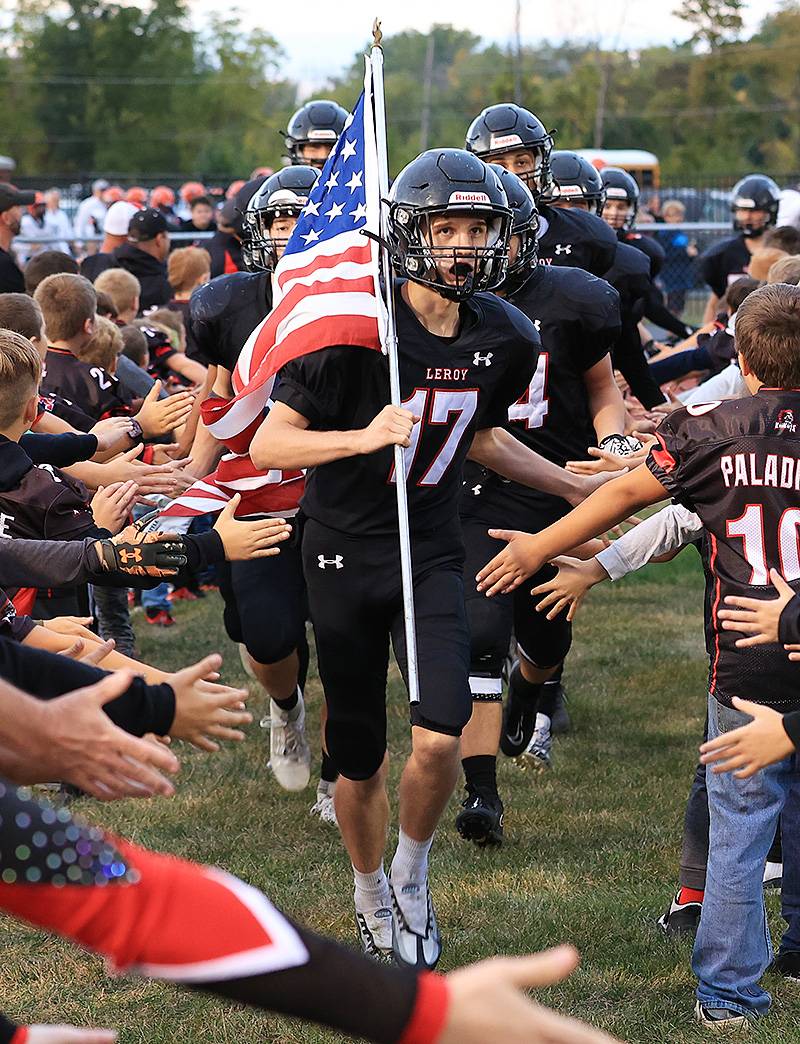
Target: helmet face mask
{"x":622,"y":198}
{"x":516,"y":139}
{"x":449,"y":224}
{"x":312,"y":132}
{"x":754,"y":195}
{"x":281,"y":199}
{"x":575,"y":184}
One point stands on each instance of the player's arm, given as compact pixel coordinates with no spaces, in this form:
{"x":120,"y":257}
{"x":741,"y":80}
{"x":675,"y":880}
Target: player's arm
{"x":525,"y":554}
{"x":606,"y":405}
{"x":206,"y":450}
{"x":499,"y":451}
{"x":768,"y":738}
{"x":712,"y":307}
{"x":286,"y":441}
{"x":189,"y":368}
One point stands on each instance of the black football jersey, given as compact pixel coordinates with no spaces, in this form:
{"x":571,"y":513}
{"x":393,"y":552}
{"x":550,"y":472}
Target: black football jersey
{"x":577,"y":316}
{"x":575,"y":239}
{"x":737,"y":464}
{"x":225,"y":311}
{"x":91,"y":388}
{"x":649,"y":246}
{"x":457,"y":386}
{"x":724,"y":263}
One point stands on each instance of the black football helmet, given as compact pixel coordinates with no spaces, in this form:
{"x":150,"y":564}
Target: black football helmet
{"x":619,"y":184}
{"x":315,"y":123}
{"x":448,"y":181}
{"x":282,"y":195}
{"x":574,"y":178}
{"x":524,"y":224}
{"x":509,"y":128}
{"x":755,"y":192}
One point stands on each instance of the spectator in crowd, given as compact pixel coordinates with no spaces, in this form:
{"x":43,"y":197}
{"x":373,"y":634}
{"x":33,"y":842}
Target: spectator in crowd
{"x":789,"y":208}
{"x":44,"y":264}
{"x":145,"y":256}
{"x":115,"y":234}
{"x":162,"y":199}
{"x":225,"y":246}
{"x":784,"y":237}
{"x":91,"y":214}
{"x":113,"y":194}
{"x":677,"y":274}
{"x":105,"y":306}
{"x":168,"y":360}
{"x":137,"y":195}
{"x":188,"y":191}
{"x":11,"y":203}
{"x":32,"y":227}
{"x":105,"y":345}
{"x":134,"y":346}
{"x":202,"y":216}
{"x":188,"y":268}
{"x":123,"y":289}
{"x":787,"y":270}
{"x":57,"y":223}
{"x":762,"y":261}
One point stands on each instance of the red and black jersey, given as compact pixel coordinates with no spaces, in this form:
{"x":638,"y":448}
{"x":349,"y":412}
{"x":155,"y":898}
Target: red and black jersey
{"x":578,"y":319}
{"x":457,"y":386}
{"x":737,"y":464}
{"x":66,"y":410}
{"x":575,"y":239}
{"x":91,"y":388}
{"x":725,"y":262}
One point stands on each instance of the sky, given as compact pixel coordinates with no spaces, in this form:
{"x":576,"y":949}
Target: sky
{"x":321,"y":37}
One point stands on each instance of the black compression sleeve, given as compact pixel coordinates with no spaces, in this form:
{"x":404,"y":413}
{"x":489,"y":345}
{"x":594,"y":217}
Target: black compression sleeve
{"x":337,"y":987}
{"x":789,"y":623}
{"x":791,"y":725}
{"x":60,"y":451}
{"x":657,"y":312}
{"x":203,"y":550}
{"x":629,"y":359}
{"x":141,"y":708}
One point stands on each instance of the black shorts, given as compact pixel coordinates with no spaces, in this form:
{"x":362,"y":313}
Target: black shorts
{"x":355,"y":598}
{"x":545,"y":643}
{"x":265,"y":604}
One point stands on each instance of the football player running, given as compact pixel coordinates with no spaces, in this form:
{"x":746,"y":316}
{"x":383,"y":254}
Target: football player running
{"x":465,"y":356}
{"x":572,"y":401}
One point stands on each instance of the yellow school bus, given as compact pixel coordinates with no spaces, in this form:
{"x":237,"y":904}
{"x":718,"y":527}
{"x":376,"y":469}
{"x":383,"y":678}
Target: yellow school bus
{"x":643,"y":165}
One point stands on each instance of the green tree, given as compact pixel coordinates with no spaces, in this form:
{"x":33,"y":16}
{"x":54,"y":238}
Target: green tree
{"x":714,"y":21}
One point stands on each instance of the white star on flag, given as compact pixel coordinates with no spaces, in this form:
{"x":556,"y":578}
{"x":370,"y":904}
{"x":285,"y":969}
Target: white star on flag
{"x":311,"y":208}
{"x":311,"y":237}
{"x":359,"y":213}
{"x":335,"y":211}
{"x":349,"y":149}
{"x":355,"y":181}
{"x":333,"y":180}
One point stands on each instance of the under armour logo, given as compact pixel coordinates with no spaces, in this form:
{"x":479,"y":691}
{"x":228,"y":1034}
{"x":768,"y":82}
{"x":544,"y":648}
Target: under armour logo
{"x":537,"y":324}
{"x":130,"y":557}
{"x":563,"y":248}
{"x":477,"y":490}
{"x":482,"y":360}
{"x":337,"y":561}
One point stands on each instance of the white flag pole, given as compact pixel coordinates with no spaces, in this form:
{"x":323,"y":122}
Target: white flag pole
{"x":390,"y":348}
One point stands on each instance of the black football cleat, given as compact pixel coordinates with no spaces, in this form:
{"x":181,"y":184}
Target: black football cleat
{"x":481,"y":817}
{"x":680,"y":918}
{"x":519,"y":721}
{"x":554,"y":695}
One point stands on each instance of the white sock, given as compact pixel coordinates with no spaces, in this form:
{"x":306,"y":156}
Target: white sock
{"x":410,"y":861}
{"x":371,"y":891}
{"x":294,"y":713}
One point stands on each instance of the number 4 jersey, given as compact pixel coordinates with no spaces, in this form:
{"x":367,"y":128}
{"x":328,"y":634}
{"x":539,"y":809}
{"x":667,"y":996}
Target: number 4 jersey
{"x":457,"y":386}
{"x":737,"y":464}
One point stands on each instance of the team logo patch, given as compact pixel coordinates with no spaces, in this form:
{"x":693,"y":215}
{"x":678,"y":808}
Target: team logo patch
{"x":503,"y":141}
{"x":482,"y":360}
{"x":469,"y":197}
{"x":337,"y":562}
{"x":785,"y":421}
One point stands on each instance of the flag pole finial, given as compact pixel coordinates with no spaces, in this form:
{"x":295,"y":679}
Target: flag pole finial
{"x":377,"y":35}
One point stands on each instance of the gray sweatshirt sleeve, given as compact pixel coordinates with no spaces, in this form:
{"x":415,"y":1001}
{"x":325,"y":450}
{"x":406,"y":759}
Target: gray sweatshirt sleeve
{"x":671,"y":528}
{"x":46,"y":563}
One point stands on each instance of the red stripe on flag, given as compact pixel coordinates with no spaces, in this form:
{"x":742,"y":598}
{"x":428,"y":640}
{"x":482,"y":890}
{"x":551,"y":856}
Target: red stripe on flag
{"x":360,"y":255}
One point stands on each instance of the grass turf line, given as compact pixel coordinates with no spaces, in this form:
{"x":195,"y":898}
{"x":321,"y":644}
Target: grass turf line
{"x":591,"y":851}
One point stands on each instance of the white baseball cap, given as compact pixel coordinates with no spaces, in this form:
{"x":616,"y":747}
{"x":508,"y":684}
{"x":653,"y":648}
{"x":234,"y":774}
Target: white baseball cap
{"x":118,"y":217}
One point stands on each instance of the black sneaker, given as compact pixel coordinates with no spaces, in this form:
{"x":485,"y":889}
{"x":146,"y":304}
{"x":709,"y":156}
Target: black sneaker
{"x":559,"y":715}
{"x":787,"y":965}
{"x":481,"y":818}
{"x":519,"y":721}
{"x":680,"y":918}
{"x":720,"y":1020}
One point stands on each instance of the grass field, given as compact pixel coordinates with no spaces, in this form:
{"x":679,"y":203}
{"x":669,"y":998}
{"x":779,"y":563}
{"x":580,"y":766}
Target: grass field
{"x":591,"y":851}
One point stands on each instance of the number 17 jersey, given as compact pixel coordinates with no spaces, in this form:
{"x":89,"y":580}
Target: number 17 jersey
{"x":456,"y":386}
{"x":737,"y":464}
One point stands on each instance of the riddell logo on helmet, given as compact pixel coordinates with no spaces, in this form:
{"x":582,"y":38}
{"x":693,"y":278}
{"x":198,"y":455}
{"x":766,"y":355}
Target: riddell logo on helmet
{"x":570,"y":190}
{"x":785,"y":421}
{"x":468,"y":197}
{"x":744,"y":203}
{"x":322,"y":135}
{"x":502,"y":141}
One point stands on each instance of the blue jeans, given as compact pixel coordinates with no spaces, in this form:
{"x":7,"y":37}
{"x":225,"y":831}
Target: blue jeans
{"x":156,"y":598}
{"x":733,"y":948}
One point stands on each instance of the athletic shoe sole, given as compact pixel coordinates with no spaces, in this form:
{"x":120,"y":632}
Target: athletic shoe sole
{"x":736,"y":1024}
{"x":479,"y":827}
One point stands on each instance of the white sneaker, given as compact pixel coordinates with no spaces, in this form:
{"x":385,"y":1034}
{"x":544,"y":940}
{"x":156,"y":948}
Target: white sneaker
{"x":323,"y":806}
{"x":375,"y":933}
{"x":414,"y":949}
{"x":773,"y":875}
{"x":538,"y":752}
{"x":289,"y":756}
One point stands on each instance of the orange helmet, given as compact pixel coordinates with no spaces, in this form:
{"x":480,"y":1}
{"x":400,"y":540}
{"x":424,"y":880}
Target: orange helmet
{"x":113,"y":194}
{"x":136,"y":195}
{"x":162,"y":196}
{"x":38,"y":202}
{"x":190,"y":190}
{"x":262,"y":172}
{"x":233,"y":188}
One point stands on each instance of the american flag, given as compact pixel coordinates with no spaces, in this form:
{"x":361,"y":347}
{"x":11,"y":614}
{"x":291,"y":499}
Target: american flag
{"x":326,"y":291}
